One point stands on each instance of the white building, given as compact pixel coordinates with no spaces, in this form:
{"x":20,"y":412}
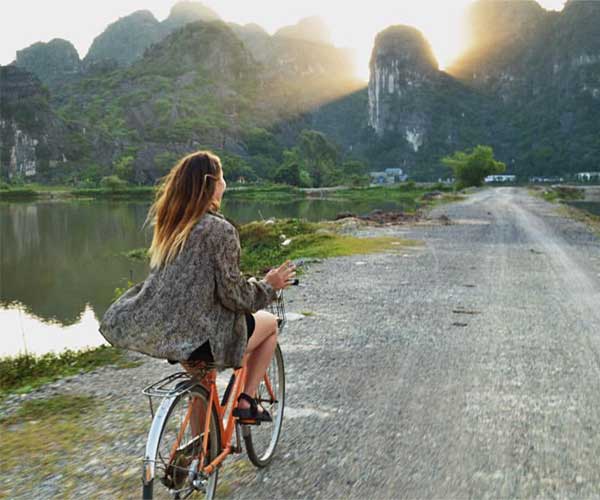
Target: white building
{"x":588,"y":176}
{"x":500,"y":178}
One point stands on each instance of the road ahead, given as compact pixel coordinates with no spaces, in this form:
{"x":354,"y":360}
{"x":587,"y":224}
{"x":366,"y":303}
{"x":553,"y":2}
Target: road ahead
{"x":470,"y":368}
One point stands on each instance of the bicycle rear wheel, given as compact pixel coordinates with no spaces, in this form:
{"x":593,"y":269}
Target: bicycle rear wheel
{"x":261,"y":440}
{"x":179,"y":446}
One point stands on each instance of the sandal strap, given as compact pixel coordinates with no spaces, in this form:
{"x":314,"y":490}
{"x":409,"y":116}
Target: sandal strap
{"x":251,"y":401}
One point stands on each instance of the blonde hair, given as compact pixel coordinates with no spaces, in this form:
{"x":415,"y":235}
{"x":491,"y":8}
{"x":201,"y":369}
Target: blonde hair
{"x":185,"y":194}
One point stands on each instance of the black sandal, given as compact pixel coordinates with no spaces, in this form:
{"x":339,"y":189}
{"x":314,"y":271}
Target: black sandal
{"x":251,"y":416}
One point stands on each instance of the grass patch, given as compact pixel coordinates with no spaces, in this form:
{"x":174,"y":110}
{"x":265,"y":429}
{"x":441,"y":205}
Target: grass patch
{"x":262,"y":243}
{"x":272,"y":193}
{"x":408,"y":194}
{"x":557,"y":194}
{"x":18,"y":193}
{"x":137,"y":254}
{"x":446,"y":198}
{"x":121,"y":193}
{"x":590,"y":220}
{"x":63,"y":405}
{"x":44,"y":433}
{"x":308,"y":314}
{"x":25,"y":372}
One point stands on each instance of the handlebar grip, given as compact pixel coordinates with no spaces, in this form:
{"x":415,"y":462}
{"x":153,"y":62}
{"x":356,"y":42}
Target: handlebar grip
{"x":295,"y":282}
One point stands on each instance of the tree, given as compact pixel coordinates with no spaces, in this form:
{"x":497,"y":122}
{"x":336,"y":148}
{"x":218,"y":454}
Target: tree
{"x":124,"y":168}
{"x":113,"y":183}
{"x":471,"y":167}
{"x":316,"y":159}
{"x":289,"y":173}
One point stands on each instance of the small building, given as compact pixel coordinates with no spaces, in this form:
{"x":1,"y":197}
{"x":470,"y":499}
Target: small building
{"x":388,"y":176}
{"x":546,"y":180}
{"x":500,"y":178}
{"x":588,"y":176}
{"x":396,"y":174}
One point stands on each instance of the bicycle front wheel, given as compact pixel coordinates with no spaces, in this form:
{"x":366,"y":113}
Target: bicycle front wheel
{"x":261,"y":440}
{"x":177,"y":461}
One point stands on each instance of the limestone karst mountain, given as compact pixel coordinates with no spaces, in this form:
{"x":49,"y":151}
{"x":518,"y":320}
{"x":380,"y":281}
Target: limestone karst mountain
{"x":529,"y":85}
{"x":54,"y":63}
{"x":310,"y":29}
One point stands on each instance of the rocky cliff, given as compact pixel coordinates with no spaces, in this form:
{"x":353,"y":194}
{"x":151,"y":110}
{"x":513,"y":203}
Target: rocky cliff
{"x":124,"y":41}
{"x":32,"y":138}
{"x":55,"y":63}
{"x":403,"y":68}
{"x":309,"y":29}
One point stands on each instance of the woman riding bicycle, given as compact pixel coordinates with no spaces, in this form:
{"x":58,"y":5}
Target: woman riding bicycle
{"x":195,"y":306}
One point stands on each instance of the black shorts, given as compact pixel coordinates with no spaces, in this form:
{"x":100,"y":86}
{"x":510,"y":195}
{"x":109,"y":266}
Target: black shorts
{"x":203,"y":353}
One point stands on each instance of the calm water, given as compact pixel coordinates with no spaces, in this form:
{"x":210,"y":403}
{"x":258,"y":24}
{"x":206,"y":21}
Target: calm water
{"x":60,"y":263}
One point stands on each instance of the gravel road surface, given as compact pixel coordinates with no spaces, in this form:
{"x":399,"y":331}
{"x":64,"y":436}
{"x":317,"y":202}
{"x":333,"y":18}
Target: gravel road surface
{"x":468,"y":367}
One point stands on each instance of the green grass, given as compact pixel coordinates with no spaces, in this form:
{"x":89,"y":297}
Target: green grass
{"x":25,"y":372}
{"x":44,"y":433}
{"x":121,"y":193}
{"x":557,"y":194}
{"x":18,"y":193}
{"x":262,"y":243}
{"x":408,"y":194}
{"x":262,"y":246}
{"x":270,"y":193}
{"x":137,"y":254}
{"x":35,"y":191}
{"x":65,"y":405}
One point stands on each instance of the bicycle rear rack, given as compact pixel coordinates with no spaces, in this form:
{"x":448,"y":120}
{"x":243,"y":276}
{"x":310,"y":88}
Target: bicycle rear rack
{"x":167,"y":387}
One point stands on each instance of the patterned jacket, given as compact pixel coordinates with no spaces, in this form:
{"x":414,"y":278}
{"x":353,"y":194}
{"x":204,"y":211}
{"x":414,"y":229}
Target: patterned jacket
{"x":199,"y":296}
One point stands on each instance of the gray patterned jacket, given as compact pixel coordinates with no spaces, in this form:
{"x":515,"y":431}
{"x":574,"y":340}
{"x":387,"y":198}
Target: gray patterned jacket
{"x":201,"y":295}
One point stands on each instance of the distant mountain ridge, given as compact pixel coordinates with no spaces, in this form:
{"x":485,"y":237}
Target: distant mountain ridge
{"x":529,"y":85}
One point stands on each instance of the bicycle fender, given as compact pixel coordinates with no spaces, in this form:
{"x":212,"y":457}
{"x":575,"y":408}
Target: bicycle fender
{"x":153,"y":438}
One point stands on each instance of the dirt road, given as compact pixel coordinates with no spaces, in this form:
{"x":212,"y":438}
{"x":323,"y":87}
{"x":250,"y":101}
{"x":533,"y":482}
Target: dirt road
{"x":468,"y":369}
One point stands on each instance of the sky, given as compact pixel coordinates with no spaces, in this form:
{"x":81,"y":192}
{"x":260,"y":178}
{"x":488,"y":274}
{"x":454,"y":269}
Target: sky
{"x":353,"y":25}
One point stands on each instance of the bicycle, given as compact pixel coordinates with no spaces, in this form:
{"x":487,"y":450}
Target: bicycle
{"x":192,"y":430}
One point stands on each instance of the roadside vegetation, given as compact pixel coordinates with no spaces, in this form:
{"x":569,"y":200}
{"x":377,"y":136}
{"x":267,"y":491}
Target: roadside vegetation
{"x":558,"y":194}
{"x":266,"y":243}
{"x":471,"y":167}
{"x":25,"y":372}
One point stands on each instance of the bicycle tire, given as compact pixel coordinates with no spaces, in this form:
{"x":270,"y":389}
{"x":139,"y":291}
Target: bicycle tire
{"x":164,"y":443}
{"x":262,"y":440}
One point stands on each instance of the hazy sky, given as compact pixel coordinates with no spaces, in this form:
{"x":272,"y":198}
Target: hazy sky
{"x":353,"y":25}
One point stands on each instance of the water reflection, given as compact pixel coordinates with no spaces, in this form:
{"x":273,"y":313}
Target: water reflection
{"x":23,"y":332}
{"x":58,"y":257}
{"x":60,"y":262}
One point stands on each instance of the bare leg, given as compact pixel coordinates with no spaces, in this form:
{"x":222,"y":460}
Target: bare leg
{"x":259,"y":352}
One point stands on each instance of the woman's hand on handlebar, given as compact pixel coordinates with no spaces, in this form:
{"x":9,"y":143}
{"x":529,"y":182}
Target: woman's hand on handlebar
{"x":282,"y":276}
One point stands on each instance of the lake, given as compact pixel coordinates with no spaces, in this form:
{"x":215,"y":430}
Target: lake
{"x":60,"y":262}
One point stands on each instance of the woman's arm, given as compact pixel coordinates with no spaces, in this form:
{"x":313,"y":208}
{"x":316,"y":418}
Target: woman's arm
{"x":234,"y":291}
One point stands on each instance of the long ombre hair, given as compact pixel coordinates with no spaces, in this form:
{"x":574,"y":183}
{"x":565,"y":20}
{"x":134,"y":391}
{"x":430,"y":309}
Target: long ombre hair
{"x":185,"y":194}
